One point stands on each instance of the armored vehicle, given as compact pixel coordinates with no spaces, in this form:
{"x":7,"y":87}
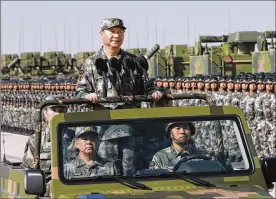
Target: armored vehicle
{"x":219,"y":160}
{"x":233,"y":56}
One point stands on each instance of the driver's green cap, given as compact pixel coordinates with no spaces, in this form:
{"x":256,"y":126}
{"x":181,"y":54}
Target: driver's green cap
{"x":87,"y":129}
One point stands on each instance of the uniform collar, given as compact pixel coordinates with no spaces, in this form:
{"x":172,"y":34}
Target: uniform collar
{"x":103,"y":55}
{"x":79,"y":162}
{"x":180,"y":153}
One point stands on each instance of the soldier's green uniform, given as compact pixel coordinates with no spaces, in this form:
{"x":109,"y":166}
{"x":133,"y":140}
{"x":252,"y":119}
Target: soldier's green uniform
{"x":168,"y":157}
{"x":91,"y":81}
{"x":77,"y":168}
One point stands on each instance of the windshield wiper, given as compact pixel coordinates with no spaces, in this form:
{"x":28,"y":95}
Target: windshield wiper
{"x":129,"y":183}
{"x":194,"y":180}
{"x":132,"y":184}
{"x":181,"y":175}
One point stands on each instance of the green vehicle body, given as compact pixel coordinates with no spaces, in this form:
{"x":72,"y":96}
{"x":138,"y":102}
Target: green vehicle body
{"x":232,"y":57}
{"x":172,"y":60}
{"x":250,"y":185}
{"x":265,"y":59}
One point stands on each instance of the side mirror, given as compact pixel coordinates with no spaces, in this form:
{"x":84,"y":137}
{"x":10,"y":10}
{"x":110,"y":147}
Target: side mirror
{"x":34,"y":182}
{"x":268,"y":167}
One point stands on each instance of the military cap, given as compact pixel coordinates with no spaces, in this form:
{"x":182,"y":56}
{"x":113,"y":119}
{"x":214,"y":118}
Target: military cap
{"x":186,"y":79}
{"x":260,"y":80}
{"x":222,"y":79}
{"x":229,"y":79}
{"x":88,"y":129}
{"x":164,"y":79}
{"x":251,"y":79}
{"x":111,"y":22}
{"x":268,"y":80}
{"x":193,"y":79}
{"x":244,"y":79}
{"x":200,"y":79}
{"x":207,"y":79}
{"x":55,"y":97}
{"x":188,"y":125}
{"x":213,"y":79}
{"x":171,"y":79}
{"x":179,"y":79}
{"x":237,"y":80}
{"x":158,"y":79}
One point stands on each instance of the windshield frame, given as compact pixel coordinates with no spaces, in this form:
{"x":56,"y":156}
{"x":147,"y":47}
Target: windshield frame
{"x":236,"y":173}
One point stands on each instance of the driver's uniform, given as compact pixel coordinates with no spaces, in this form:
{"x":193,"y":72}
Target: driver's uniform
{"x":79,"y":169}
{"x":168,"y":157}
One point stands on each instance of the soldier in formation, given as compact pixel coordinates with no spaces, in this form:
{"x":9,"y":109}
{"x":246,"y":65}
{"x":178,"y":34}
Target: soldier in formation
{"x":20,"y":97}
{"x":253,"y":93}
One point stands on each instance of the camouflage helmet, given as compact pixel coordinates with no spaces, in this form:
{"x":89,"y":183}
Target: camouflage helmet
{"x":244,"y":79}
{"x":207,"y":79}
{"x":178,"y":79}
{"x":237,"y":80}
{"x":260,"y":80}
{"x":89,"y":129}
{"x":268,"y":80}
{"x":158,"y":79}
{"x":213,"y":79}
{"x":186,"y":79}
{"x":186,"y":125}
{"x":164,"y":79}
{"x":199,"y":78}
{"x":229,"y":79}
{"x":251,"y":80}
{"x":222,"y":79}
{"x":193,"y":79}
{"x":171,"y":79}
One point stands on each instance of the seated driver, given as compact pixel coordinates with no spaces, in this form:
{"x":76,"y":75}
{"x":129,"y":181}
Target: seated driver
{"x":180,"y":133}
{"x":88,"y":163}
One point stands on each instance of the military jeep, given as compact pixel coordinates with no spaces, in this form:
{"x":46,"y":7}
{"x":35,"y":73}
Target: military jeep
{"x":226,"y":167}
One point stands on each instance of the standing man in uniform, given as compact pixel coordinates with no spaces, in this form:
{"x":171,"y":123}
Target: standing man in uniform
{"x":90,"y":83}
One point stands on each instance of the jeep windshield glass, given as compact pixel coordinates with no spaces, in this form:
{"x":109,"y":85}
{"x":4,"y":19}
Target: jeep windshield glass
{"x":140,"y":148}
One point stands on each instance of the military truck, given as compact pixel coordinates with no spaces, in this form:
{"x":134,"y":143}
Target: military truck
{"x":208,"y":174}
{"x":232,"y":57}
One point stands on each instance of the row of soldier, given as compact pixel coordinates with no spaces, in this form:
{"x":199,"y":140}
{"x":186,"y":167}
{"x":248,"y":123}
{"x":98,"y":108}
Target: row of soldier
{"x":19,"y":99}
{"x":253,"y":93}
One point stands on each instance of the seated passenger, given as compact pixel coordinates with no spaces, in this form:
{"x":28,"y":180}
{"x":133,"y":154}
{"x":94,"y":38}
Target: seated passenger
{"x":180,"y":134}
{"x":88,"y":163}
{"x":118,"y":144}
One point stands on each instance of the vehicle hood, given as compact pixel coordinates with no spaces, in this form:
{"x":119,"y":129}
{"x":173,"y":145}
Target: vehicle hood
{"x":241,"y":191}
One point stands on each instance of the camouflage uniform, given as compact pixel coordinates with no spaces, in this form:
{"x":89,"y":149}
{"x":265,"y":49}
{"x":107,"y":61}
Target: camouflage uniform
{"x":45,"y":151}
{"x":168,"y":157}
{"x":90,"y":81}
{"x":79,"y":169}
{"x":117,"y":143}
{"x":268,"y":116}
{"x":258,"y":133}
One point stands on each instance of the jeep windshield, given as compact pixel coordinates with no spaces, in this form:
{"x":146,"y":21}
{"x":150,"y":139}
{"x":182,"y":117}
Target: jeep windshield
{"x":153,"y":147}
